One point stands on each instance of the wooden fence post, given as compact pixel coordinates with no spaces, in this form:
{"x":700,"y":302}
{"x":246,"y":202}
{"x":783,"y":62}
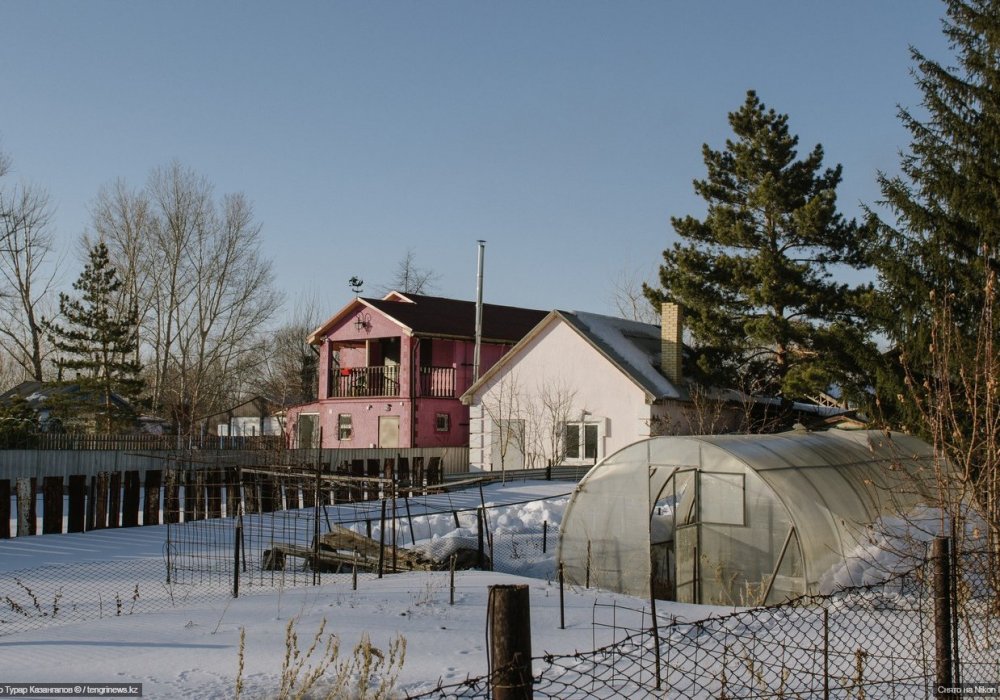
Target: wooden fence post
{"x":26,"y":514}
{"x":233,"y":496}
{"x":130,"y":499}
{"x":100,"y":484}
{"x":77,"y":520}
{"x":151,"y":503}
{"x":52,"y":509}
{"x":171,"y":497}
{"x":213,"y":492}
{"x":199,"y":493}
{"x":510,"y":642}
{"x":186,"y":479}
{"x":114,"y":498}
{"x":91,"y":497}
{"x":4,"y":508}
{"x":942,"y":613}
{"x":266,"y":486}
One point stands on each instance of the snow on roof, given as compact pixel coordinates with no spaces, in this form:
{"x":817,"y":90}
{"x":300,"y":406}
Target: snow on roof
{"x":632,"y":345}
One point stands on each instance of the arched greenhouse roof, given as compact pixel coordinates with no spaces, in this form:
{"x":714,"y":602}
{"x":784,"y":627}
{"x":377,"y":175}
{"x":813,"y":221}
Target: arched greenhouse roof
{"x":800,"y":497}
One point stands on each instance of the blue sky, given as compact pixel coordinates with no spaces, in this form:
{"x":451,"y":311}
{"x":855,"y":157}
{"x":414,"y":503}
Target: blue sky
{"x":565,"y":134}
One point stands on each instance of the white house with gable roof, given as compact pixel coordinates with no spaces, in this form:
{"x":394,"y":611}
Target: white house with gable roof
{"x":580,"y":386}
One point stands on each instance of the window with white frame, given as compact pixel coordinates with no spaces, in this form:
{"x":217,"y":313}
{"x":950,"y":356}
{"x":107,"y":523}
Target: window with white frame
{"x":345,"y":427}
{"x":581,"y":442}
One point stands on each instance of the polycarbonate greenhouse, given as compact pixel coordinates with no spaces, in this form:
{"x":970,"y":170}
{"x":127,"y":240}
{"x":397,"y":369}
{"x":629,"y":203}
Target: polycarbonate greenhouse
{"x":737,"y":519}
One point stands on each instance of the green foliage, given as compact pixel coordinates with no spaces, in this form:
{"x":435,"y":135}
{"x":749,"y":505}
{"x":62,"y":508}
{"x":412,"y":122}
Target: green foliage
{"x":18,"y":424}
{"x":941,"y":242}
{"x":96,"y":346}
{"x":757,"y":277}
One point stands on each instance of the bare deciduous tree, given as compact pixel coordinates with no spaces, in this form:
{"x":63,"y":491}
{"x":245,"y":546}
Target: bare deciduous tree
{"x":204,"y":292}
{"x":121,"y":219}
{"x":629,"y":300}
{"x":26,"y":275}
{"x":547,"y":413}
{"x":288,"y":365}
{"x":504,"y":414}
{"x":411,"y":279}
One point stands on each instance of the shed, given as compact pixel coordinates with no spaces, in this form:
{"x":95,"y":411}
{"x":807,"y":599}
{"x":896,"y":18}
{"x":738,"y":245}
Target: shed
{"x":737,"y":519}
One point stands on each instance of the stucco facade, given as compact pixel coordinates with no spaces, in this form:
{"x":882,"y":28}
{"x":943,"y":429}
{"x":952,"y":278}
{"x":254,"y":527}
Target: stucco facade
{"x":577,"y":388}
{"x":391,"y":371}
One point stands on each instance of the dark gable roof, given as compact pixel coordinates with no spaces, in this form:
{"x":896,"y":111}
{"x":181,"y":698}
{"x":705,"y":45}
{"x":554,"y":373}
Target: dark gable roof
{"x":453,"y":318}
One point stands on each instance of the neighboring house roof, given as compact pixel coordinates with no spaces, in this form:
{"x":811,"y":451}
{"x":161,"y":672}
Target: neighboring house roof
{"x":37,"y":394}
{"x":441,"y":317}
{"x":631,"y":346}
{"x":255,"y":406}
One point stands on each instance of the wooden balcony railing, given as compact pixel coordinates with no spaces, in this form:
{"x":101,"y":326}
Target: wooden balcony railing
{"x":437,"y":382}
{"x":381,"y":380}
{"x":433,"y":382}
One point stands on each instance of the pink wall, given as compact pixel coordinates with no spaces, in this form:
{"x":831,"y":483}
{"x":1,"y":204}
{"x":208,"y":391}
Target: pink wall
{"x":417,"y":416}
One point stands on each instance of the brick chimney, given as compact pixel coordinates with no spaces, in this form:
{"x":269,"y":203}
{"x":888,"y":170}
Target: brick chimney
{"x":671,"y":348}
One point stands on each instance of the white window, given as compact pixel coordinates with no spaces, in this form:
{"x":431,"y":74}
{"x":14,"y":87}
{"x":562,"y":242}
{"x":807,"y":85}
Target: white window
{"x":581,"y":442}
{"x":345,"y":427}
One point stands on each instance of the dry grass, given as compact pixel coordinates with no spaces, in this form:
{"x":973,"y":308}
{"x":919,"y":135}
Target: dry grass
{"x":319,"y":671}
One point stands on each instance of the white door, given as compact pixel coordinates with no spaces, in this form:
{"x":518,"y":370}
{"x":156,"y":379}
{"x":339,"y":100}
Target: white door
{"x":388,"y":431}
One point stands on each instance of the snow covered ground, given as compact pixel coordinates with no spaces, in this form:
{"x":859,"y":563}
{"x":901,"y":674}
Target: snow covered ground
{"x":192,"y":649}
{"x":94,"y":608}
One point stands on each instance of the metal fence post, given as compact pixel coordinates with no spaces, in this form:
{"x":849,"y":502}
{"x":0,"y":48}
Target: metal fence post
{"x":237,"y":539}
{"x":479,"y":536}
{"x":826,"y":654}
{"x":942,"y":613}
{"x":562,"y":601}
{"x":656,"y":627}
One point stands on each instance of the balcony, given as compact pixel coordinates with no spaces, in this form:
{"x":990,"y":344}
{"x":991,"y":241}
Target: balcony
{"x":381,"y":380}
{"x":436,"y":382}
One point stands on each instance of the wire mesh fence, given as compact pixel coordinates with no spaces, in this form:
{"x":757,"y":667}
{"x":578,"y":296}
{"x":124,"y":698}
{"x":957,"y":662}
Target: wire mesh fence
{"x":61,"y":594}
{"x":875,"y":641}
{"x":306,"y":525}
{"x":235,"y":531}
{"x":266,"y":530}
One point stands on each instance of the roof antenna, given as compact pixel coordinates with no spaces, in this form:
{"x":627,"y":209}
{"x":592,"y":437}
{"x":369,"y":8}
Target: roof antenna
{"x":479,"y":312}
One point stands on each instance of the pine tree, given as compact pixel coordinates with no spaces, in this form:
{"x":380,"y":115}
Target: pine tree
{"x":97,"y":346}
{"x":756,"y":276}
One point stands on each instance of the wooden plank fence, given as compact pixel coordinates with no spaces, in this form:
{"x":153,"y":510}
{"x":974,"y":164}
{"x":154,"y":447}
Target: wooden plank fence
{"x":79,"y":503}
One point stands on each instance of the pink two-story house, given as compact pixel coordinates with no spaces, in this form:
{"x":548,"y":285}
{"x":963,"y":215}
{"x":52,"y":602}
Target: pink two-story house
{"x":391,"y":371}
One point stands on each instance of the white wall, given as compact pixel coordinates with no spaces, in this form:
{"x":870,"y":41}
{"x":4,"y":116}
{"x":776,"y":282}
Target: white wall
{"x":559,"y":358}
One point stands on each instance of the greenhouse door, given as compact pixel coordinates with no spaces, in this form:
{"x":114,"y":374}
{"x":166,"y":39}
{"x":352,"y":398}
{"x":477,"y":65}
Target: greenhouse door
{"x":676,"y":542}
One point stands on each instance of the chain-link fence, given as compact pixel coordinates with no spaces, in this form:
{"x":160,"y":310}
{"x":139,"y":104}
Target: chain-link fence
{"x":874,"y":641}
{"x":294,"y":527}
{"x":269,"y":530}
{"x":236,"y":532}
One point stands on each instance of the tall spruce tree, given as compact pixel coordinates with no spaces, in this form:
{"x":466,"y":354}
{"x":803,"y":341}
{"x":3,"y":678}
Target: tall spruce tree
{"x":943,"y":238}
{"x":96,"y":347}
{"x":939,"y":261}
{"x":756,"y":276}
